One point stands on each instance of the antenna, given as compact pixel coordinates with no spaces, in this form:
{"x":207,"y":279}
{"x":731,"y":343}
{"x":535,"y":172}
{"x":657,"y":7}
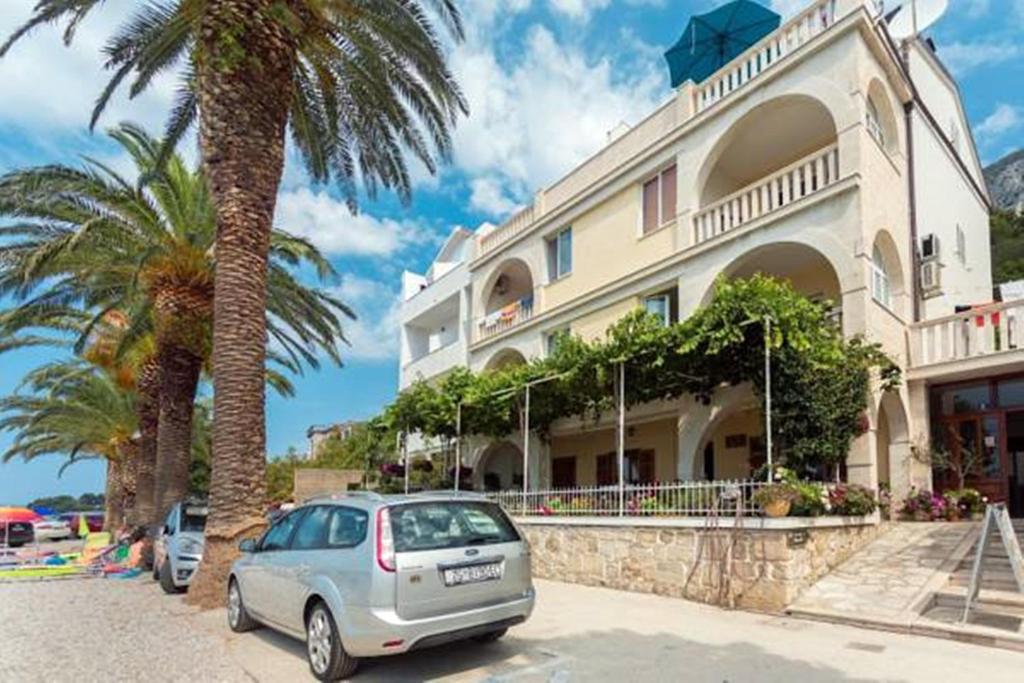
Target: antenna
{"x":914,"y":16}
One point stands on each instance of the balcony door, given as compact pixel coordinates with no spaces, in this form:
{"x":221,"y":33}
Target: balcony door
{"x":975,"y":442}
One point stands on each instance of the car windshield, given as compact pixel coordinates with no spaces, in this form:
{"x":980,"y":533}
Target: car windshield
{"x":449,"y":524}
{"x":193,"y":519}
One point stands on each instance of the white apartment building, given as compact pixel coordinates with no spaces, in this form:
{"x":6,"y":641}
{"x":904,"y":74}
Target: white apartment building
{"x":827,"y":154}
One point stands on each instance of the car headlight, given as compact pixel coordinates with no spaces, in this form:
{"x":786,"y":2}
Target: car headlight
{"x":191,"y":547}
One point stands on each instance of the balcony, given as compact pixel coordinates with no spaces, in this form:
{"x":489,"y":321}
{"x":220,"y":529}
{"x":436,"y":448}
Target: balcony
{"x":506,"y":231}
{"x":434,"y":363}
{"x":505,"y":318}
{"x":765,"y":54}
{"x":982,"y":336}
{"x":790,"y":184}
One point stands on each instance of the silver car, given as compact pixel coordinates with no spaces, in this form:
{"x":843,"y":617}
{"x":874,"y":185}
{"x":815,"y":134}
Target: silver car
{"x":178,"y":549}
{"x":362,"y":575}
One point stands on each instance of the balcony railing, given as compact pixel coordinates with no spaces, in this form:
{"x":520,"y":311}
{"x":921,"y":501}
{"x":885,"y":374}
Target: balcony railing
{"x":505,"y":318}
{"x":679,"y":499}
{"x":796,"y":181}
{"x":506,"y":231}
{"x":766,"y":53}
{"x":981,"y":331}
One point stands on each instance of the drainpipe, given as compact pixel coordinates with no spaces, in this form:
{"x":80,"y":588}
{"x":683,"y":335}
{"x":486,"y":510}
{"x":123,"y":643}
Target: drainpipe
{"x":915,"y":270}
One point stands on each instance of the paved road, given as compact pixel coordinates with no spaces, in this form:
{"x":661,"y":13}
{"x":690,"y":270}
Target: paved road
{"x":93,"y":629}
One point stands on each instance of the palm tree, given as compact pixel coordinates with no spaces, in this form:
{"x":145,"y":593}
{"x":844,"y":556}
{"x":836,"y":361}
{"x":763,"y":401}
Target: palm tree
{"x":93,"y":241}
{"x":78,"y":410}
{"x":358,"y":83}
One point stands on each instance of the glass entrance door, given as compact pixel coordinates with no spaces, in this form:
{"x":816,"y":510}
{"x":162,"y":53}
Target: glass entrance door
{"x":974,"y":444}
{"x":1015,"y":458}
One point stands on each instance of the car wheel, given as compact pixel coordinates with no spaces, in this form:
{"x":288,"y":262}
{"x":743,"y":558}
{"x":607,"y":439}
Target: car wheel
{"x":238,"y":617}
{"x":490,"y":636}
{"x":327,"y":658}
{"x":167,"y":581}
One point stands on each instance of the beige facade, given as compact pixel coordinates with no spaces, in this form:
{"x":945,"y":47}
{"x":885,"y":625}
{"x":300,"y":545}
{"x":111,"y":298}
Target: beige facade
{"x":797,"y":160}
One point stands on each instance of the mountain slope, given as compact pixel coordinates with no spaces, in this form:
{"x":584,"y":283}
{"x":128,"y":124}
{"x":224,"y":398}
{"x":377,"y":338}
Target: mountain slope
{"x":1005,"y":180}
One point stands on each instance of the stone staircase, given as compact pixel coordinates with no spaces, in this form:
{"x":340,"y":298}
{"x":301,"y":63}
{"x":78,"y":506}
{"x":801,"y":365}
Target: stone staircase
{"x":998,"y":576}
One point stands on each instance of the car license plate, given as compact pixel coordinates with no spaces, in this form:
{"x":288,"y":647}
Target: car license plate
{"x":473,"y":574}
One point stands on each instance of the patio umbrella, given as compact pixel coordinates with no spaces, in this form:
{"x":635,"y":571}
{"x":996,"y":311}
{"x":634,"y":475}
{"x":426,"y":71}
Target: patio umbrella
{"x":713,"y":39}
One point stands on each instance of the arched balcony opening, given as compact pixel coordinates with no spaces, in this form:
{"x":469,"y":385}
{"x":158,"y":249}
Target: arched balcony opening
{"x":504,"y":359}
{"x":805,"y":268}
{"x":508,"y":299}
{"x":500,"y":468}
{"x":777,"y":154}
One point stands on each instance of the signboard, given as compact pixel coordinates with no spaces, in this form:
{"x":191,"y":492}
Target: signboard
{"x":995,"y":516}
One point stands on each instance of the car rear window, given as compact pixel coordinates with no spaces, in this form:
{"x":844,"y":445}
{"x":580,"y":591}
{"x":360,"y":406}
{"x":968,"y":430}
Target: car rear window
{"x":193,"y":518}
{"x":449,"y":524}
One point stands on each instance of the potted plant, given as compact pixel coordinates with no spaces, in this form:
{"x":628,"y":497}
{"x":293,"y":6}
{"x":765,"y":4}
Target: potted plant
{"x":972,"y":503}
{"x":776,"y":499}
{"x":951,"y":500}
{"x":918,"y":506}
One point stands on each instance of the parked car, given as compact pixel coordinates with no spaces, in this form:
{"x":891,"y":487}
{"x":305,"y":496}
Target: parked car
{"x":178,"y":549}
{"x":16,"y":534}
{"x":362,"y":575}
{"x":93,"y":519}
{"x":51,"y":529}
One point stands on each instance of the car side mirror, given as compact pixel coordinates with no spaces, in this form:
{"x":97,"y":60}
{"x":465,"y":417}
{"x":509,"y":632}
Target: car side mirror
{"x":165,"y":530}
{"x":247,"y":545}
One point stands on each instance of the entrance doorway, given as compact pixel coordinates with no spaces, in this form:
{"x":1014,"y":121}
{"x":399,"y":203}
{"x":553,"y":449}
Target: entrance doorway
{"x":1015,"y":457}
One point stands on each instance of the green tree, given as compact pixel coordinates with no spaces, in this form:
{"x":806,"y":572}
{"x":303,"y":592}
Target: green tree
{"x":78,"y":411}
{"x":1007,"y":243}
{"x":358,"y":84}
{"x":95,"y":251}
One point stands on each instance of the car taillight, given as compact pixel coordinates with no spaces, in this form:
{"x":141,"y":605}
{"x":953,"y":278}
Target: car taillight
{"x":385,"y":541}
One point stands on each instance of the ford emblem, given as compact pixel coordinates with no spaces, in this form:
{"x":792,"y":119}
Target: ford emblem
{"x":472,"y":552}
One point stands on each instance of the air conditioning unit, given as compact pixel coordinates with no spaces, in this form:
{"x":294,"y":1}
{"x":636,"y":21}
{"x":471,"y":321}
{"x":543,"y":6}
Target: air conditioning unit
{"x":930,"y":247}
{"x":931,"y":277}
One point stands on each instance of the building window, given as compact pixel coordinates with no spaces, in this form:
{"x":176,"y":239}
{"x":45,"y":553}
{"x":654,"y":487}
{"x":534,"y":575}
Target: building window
{"x":659,"y":200}
{"x":880,"y":280}
{"x":961,"y":245}
{"x":560,"y":254}
{"x":663,"y":305}
{"x":874,"y":123}
{"x":638,"y":465}
{"x":554,"y":339}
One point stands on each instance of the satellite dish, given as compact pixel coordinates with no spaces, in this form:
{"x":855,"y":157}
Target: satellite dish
{"x":914,"y":16}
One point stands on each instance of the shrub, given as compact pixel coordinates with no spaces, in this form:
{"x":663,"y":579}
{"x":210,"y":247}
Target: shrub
{"x":972,"y":502}
{"x":811,"y":500}
{"x":852,"y":500}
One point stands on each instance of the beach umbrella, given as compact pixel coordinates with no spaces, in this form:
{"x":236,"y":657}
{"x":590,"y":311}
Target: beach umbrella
{"x":713,"y":39}
{"x":9,"y":515}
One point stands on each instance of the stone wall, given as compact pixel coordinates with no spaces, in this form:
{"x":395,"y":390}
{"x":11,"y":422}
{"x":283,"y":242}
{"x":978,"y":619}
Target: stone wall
{"x":753,"y":568}
{"x":310,"y":481}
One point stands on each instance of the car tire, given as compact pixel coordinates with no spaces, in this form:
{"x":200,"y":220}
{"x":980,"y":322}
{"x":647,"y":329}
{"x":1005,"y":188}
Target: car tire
{"x":490,"y":636}
{"x":239,"y":619}
{"x":167,"y":581}
{"x":328,"y":660}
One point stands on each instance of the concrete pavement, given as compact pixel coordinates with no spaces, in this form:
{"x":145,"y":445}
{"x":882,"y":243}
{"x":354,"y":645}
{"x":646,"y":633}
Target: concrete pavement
{"x":580,"y":633}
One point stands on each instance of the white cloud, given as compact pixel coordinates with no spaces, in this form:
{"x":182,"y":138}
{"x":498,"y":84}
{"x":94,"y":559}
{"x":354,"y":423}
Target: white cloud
{"x":329,"y":224}
{"x":488,"y":195}
{"x":787,"y":8}
{"x":578,"y":10}
{"x":1006,"y":117}
{"x":50,"y":88}
{"x":373,"y":336}
{"x":963,"y":57}
{"x":534,"y":118}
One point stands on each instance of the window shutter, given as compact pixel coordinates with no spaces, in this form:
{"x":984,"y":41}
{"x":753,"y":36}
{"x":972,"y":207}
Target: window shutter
{"x":668,"y":194}
{"x":650,"y":207}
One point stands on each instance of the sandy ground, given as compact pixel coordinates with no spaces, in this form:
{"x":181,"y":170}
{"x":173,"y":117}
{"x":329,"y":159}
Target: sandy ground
{"x":106,"y":630}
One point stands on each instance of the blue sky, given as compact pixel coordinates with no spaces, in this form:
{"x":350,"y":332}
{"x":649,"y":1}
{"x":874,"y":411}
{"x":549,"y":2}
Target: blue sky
{"x":546,"y":80}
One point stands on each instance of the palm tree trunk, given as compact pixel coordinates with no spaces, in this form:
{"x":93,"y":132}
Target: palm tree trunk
{"x":244,"y":90}
{"x":179,"y":380}
{"x":113,"y":503}
{"x":148,"y":406}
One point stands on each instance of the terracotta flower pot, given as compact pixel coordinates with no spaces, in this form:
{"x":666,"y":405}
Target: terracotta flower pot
{"x":777,"y":508}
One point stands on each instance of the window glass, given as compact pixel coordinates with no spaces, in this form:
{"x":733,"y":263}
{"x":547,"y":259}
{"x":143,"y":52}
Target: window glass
{"x":565,"y":252}
{"x":966,"y":399}
{"x":432,"y":526}
{"x":347,"y":527}
{"x":1011,"y":393}
{"x":193,"y":518}
{"x":880,"y":279}
{"x":312,"y":532}
{"x":874,"y":122}
{"x":172,"y":521}
{"x":660,"y":306}
{"x":650,"y":206}
{"x":278,"y":535}
{"x":668,"y":194}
